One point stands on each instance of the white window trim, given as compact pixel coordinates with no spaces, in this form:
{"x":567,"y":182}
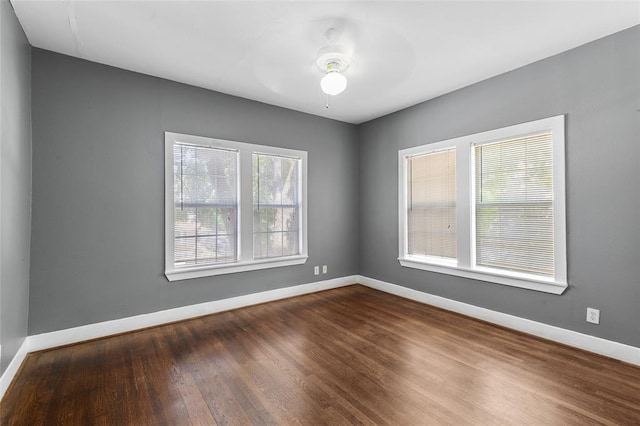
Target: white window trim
{"x":464,"y":266}
{"x":245,"y":209}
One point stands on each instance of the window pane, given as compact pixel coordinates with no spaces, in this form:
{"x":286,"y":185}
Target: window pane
{"x":290,"y":245}
{"x":260,"y":245}
{"x":267,"y":219}
{"x":274,"y":244}
{"x":206,"y":210}
{"x":276,"y":206}
{"x":185,"y":222}
{"x":206,"y":250}
{"x":290,"y":219}
{"x":431,"y":204}
{"x":514,"y":204}
{"x":185,"y":251}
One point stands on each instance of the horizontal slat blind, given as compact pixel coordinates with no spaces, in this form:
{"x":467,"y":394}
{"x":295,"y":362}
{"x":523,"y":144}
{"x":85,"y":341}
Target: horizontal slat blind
{"x":514,"y":204}
{"x":206,"y":205}
{"x":276,"y":206}
{"x":431,"y":204}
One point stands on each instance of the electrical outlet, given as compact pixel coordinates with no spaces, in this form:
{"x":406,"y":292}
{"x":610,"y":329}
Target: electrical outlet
{"x":324,"y":269}
{"x":316,"y":270}
{"x":593,"y":315}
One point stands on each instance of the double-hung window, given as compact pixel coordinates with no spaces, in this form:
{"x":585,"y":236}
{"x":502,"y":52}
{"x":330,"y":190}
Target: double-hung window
{"x":205,"y":205}
{"x":276,"y":206}
{"x":232,"y":206}
{"x":431,"y":205}
{"x":488,"y":206}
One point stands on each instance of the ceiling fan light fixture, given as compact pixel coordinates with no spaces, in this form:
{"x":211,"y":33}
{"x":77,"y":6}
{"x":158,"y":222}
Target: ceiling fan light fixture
{"x":333,"y":63}
{"x":333,"y":83}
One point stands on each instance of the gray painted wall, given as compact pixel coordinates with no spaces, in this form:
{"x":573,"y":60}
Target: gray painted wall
{"x":15,"y":183}
{"x":98,"y":190}
{"x":598,"y":87}
{"x":97,"y":227}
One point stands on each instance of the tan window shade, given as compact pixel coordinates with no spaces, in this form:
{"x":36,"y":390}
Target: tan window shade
{"x":431,"y":204}
{"x":514,"y":204}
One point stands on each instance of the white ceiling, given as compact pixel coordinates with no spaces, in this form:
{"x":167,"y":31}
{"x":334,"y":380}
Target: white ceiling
{"x":403,"y":53}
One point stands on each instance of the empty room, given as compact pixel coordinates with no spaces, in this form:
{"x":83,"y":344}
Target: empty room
{"x":310,"y":212}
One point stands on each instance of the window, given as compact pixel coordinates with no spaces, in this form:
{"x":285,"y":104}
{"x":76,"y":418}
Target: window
{"x":431,"y":210}
{"x":488,"y":206}
{"x":514,"y":204}
{"x":276,"y":206}
{"x":205,"y":205}
{"x":232,"y":206}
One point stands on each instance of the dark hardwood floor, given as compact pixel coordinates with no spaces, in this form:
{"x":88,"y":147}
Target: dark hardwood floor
{"x":344,"y":356}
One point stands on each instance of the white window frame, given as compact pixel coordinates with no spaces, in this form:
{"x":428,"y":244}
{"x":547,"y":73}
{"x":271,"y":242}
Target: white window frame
{"x":245,"y":261}
{"x":464,"y":265}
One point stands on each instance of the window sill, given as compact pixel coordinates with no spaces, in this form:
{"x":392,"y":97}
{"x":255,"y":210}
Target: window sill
{"x":232,"y":268}
{"x":513,"y":280}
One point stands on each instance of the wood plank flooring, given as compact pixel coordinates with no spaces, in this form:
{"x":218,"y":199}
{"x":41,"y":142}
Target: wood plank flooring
{"x":346,"y":356}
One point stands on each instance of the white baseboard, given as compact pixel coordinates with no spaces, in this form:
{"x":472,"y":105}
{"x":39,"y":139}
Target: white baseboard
{"x":94,"y":331}
{"x":13,"y":367}
{"x":102,"y":329}
{"x":622,"y":352}
{"x":53,"y":339}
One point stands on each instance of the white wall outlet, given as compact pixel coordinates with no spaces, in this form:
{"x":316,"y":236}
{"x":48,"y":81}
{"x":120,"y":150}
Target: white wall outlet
{"x":316,"y":270}
{"x":593,"y":315}
{"x":324,"y":269}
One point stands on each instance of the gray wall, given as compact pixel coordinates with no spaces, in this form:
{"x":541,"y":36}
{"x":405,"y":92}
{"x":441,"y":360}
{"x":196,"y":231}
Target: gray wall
{"x":598,"y":87}
{"x":98,"y":190}
{"x":15,"y":182}
{"x":97,"y":243}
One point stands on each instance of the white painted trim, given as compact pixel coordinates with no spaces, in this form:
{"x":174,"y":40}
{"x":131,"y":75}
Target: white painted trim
{"x":14,"y":366}
{"x":102,"y":329}
{"x":232,"y":268}
{"x":619,"y":351}
{"x":513,"y":279}
{"x":69,"y":336}
{"x":622,"y":352}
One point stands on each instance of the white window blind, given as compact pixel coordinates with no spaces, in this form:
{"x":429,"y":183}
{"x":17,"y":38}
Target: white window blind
{"x":205,"y":193}
{"x":431,"y":204}
{"x":276,"y":206}
{"x":514,"y":202}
